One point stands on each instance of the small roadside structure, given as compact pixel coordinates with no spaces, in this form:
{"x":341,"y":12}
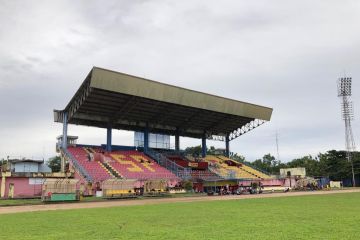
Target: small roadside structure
{"x":293,"y":172}
{"x":24,"y":177}
{"x":25,"y":165}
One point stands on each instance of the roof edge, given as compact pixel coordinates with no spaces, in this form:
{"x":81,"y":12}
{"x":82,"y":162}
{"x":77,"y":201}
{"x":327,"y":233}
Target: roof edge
{"x":123,"y":83}
{"x":183,"y":88}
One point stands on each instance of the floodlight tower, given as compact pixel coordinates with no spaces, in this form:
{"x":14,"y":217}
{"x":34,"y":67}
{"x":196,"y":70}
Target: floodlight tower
{"x":344,"y":92}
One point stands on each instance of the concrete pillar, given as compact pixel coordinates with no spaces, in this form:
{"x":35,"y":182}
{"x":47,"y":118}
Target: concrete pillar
{"x":62,"y":163}
{"x":227,"y":146}
{"x":177,"y":141}
{"x":108,"y":139}
{"x":65,"y":128}
{"x":3,"y":183}
{"x":2,"y":187}
{"x":146,"y":139}
{"x":203,"y":145}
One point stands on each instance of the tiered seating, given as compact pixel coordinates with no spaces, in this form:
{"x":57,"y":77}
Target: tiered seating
{"x":179,"y":161}
{"x":136,"y":165}
{"x":95,"y":169}
{"x":175,"y":158}
{"x":248,"y":169}
{"x":199,"y":169}
{"x":255,"y":172}
{"x":220,"y":167}
{"x":190,"y":158}
{"x":205,"y":175}
{"x":184,"y":162}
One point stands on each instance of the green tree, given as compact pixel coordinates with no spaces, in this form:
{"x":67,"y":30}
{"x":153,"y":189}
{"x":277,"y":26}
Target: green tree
{"x":335,"y":165}
{"x":268,"y":163}
{"x":313,"y":165}
{"x":237,"y":157}
{"x":197,"y":150}
{"x":332,"y":164}
{"x":3,"y":163}
{"x":211,"y":150}
{"x":55,"y":164}
{"x":194,"y":151}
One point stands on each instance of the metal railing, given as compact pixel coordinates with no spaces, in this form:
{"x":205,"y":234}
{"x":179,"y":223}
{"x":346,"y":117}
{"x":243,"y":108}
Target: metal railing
{"x":205,"y":175}
{"x":229,"y":175}
{"x":217,"y":172}
{"x":162,"y":160}
{"x":251,"y":166}
{"x":257,"y":169}
{"x":80,"y":168}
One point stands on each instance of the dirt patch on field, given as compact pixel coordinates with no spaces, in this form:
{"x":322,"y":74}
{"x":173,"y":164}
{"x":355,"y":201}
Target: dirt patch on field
{"x":121,"y":203}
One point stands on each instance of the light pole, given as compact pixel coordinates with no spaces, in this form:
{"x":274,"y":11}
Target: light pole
{"x":344,"y":92}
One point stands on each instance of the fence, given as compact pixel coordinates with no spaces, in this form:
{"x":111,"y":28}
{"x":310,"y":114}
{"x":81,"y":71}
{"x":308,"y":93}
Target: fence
{"x":60,"y":190}
{"x":80,"y":168}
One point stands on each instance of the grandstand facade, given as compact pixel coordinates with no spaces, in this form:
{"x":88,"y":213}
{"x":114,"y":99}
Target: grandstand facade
{"x":113,"y":100}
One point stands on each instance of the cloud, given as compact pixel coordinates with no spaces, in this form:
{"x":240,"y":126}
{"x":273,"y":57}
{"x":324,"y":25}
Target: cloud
{"x":286,"y":55}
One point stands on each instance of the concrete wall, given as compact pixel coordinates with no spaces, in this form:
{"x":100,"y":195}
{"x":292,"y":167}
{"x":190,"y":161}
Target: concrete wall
{"x":265,"y":182}
{"x":25,"y":167}
{"x":23,"y":187}
{"x":294,"y":172}
{"x":289,"y":182}
{"x":44,"y":168}
{"x":31,"y":167}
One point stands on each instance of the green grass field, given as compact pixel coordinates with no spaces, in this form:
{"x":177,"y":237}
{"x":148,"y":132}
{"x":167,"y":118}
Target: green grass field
{"x":16,"y":202}
{"x":22,"y":202}
{"x":309,"y":217}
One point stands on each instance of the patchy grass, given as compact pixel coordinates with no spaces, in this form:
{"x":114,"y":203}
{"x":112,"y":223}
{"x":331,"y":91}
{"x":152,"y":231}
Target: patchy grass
{"x":21,"y":202}
{"x":15,"y":202}
{"x":307,"y":217}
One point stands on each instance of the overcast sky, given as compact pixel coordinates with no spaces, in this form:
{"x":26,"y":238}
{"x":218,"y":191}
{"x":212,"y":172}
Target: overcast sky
{"x":283,"y":54}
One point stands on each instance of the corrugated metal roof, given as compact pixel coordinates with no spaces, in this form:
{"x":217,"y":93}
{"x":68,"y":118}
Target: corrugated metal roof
{"x":136,"y":86}
{"x":133,"y":103}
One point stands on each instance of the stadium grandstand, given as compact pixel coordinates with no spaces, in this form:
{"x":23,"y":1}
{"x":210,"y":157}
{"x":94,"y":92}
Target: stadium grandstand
{"x":114,"y":100}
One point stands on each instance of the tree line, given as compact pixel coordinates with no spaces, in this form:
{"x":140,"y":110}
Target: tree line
{"x":332,"y":164}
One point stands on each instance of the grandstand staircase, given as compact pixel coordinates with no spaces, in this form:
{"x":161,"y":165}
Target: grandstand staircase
{"x":89,"y":150}
{"x":111,"y":170}
{"x":255,"y":175}
{"x":74,"y":162}
{"x":107,"y":167}
{"x":255,"y":172}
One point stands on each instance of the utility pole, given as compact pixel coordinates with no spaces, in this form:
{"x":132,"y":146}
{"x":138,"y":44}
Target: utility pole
{"x":277,"y":147}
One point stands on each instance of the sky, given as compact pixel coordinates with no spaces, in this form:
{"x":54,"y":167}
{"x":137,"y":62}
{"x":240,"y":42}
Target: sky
{"x":282,"y":54}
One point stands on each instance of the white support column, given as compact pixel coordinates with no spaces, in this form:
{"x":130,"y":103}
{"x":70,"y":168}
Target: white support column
{"x":64,"y":136}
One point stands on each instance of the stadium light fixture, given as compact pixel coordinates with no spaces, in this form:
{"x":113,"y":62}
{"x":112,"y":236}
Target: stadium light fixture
{"x":347,"y":110}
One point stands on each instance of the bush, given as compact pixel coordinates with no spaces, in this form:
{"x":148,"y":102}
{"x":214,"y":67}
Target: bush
{"x":188,"y":185}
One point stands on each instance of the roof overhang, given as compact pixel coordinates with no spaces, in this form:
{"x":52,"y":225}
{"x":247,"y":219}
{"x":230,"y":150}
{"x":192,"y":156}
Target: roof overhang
{"x":107,"y":98}
{"x":26,"y":160}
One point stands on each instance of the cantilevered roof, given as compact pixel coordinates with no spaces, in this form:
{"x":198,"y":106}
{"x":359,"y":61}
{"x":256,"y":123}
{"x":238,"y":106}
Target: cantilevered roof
{"x":107,"y":98}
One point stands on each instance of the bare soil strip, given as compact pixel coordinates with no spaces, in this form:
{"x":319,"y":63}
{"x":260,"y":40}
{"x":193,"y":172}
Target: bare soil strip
{"x":122,"y":203}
